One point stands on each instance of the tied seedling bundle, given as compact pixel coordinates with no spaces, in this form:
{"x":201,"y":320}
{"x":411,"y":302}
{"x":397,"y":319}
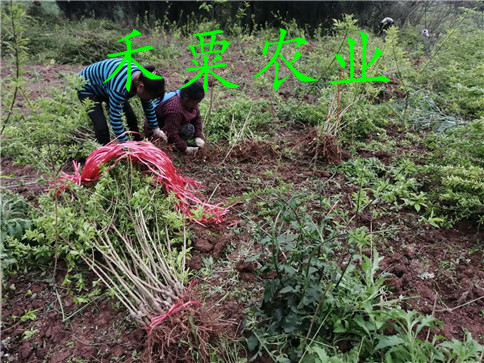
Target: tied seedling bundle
{"x":124,"y":216}
{"x":158,"y":164}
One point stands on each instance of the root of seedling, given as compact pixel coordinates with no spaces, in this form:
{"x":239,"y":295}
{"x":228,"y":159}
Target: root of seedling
{"x":322,"y":147}
{"x":185,"y":336}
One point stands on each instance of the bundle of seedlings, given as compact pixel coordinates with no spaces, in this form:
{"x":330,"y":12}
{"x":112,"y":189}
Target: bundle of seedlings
{"x":156,"y":163}
{"x":138,"y":244}
{"x":321,"y":142}
{"x":126,"y":227}
{"x":321,"y":147}
{"x":130,"y":233}
{"x":140,"y":252}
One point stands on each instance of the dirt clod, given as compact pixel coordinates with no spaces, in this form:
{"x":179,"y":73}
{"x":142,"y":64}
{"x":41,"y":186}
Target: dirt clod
{"x":195,"y":263}
{"x":203,"y":246}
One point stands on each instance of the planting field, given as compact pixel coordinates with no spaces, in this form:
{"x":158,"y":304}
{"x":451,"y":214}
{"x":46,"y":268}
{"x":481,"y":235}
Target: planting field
{"x":353,"y":230}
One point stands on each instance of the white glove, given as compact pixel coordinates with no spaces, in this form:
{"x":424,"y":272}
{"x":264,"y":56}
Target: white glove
{"x":191,"y":150}
{"x":199,"y":142}
{"x":159,"y":134}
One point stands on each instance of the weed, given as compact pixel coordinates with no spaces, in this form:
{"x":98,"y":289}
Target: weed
{"x":14,"y":222}
{"x":466,"y":351}
{"x":29,"y":333}
{"x":313,"y":306}
{"x":29,"y":315}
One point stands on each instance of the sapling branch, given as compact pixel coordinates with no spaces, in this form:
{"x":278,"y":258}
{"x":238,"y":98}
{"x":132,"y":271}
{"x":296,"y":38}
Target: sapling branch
{"x":17,"y":68}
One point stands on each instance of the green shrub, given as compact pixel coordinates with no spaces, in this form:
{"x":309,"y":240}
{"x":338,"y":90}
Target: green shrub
{"x":236,"y":118}
{"x":55,"y":130}
{"x":55,"y":39}
{"x":312,"y":306}
{"x":456,"y":169}
{"x":14,"y":221}
{"x":397,"y":185}
{"x":293,"y":111}
{"x":73,"y":46}
{"x":455,"y":72}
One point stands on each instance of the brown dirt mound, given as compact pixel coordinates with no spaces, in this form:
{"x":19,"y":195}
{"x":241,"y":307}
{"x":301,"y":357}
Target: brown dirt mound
{"x":324,"y":147}
{"x":211,"y":153}
{"x":249,"y":151}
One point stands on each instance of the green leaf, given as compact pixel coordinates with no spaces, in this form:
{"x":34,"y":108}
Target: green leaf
{"x":312,"y":270}
{"x":252,"y":342}
{"x":321,"y":353}
{"x":389,"y":341}
{"x":292,"y":323}
{"x":287,"y":289}
{"x":362,"y":323}
{"x":426,"y":321}
{"x":289,"y":270}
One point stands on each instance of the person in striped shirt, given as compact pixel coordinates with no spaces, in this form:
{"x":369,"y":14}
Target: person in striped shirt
{"x":115,"y":95}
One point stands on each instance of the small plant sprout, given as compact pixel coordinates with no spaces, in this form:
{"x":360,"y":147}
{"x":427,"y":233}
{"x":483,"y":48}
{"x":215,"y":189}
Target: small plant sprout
{"x":29,"y":333}
{"x":29,"y":315}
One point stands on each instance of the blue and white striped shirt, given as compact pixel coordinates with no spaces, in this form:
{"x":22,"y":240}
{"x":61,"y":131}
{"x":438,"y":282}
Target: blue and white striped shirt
{"x":115,"y":90}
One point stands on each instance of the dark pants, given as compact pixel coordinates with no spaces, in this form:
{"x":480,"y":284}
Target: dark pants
{"x":96,"y":114}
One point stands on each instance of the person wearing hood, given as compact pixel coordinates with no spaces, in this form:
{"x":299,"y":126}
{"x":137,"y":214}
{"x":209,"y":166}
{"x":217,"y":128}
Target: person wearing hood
{"x":179,"y":117}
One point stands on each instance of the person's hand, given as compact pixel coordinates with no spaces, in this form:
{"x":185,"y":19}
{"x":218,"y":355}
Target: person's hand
{"x":159,"y":134}
{"x":199,"y":142}
{"x":191,"y":150}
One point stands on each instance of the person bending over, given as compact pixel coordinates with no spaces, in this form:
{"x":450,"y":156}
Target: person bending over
{"x":115,"y":95}
{"x":179,"y":117}
{"x":385,"y":24}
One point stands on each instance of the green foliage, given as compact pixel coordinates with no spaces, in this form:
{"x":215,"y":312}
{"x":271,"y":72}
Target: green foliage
{"x":236,"y":118}
{"x":449,"y":184}
{"x":55,"y":130}
{"x":14,"y":221}
{"x":462,"y":145}
{"x":29,"y":315}
{"x":65,"y":227}
{"x":56,"y":40}
{"x":293,"y":111}
{"x":466,"y":351}
{"x":396,"y":184}
{"x":346,"y":26}
{"x":311,"y":294}
{"x":405,"y":346}
{"x":313,"y":306}
{"x":301,"y":278}
{"x":14,"y":28}
{"x":14,"y":56}
{"x":421,"y":111}
{"x":456,"y":71}
{"x":29,"y":333}
{"x":457,"y":170}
